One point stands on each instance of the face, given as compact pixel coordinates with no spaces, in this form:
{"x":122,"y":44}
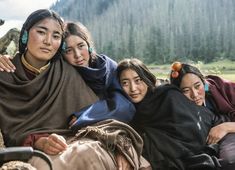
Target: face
{"x":193,"y":88}
{"x":77,"y":53}
{"x":43,"y":42}
{"x":133,"y":85}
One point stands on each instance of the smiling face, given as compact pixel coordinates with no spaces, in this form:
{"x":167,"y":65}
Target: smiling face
{"x":43,"y":42}
{"x":133,"y":85}
{"x":76,"y":52}
{"x":193,"y":88}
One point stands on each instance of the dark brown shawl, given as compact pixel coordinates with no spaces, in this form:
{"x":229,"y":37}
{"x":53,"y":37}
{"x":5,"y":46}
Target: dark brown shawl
{"x":41,"y":105}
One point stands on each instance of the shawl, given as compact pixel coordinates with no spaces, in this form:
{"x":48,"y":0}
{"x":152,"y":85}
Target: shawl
{"x":101,"y":77}
{"x":171,"y":126}
{"x":115,"y":135}
{"x":223,"y":94}
{"x":41,"y":105}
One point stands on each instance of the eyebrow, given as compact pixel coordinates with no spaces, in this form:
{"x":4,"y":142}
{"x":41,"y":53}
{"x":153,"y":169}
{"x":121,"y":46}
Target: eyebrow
{"x":198,"y":82}
{"x":45,"y":28}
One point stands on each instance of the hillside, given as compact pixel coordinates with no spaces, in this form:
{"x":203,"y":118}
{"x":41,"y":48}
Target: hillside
{"x":158,"y":31}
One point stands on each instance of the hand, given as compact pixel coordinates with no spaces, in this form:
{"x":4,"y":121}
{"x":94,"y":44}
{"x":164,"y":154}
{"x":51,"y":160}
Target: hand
{"x":52,"y":145}
{"x":72,"y":121}
{"x":6,"y":64}
{"x":122,"y":162}
{"x":217,"y":133}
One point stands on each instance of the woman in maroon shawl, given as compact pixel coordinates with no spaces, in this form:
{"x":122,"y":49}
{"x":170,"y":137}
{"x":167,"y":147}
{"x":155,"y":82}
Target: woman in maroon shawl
{"x":216,"y":94}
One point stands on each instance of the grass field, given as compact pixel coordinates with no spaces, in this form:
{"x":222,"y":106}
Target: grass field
{"x":224,"y":69}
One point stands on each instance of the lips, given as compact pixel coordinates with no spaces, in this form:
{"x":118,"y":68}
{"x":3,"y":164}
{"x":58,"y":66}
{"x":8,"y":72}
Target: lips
{"x":134,"y":95}
{"x":80,"y":63}
{"x":46,"y":50}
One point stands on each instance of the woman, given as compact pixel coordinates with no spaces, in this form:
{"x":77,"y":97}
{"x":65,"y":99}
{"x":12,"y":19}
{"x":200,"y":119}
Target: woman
{"x":171,"y":126}
{"x":39,"y":97}
{"x":98,"y":71}
{"x":216,"y":94}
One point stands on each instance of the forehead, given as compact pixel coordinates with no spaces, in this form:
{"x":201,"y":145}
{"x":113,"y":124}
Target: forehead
{"x":190,"y":79}
{"x":128,"y":74}
{"x":74,"y":39}
{"x":49,"y":24}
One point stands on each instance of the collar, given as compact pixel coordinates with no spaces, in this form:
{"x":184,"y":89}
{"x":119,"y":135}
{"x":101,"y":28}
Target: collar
{"x":32,"y":68}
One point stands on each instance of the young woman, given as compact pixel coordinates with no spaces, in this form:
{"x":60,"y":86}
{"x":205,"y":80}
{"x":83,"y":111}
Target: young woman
{"x":98,"y":71}
{"x":216,"y":94}
{"x":172,"y":127}
{"x":39,"y":97}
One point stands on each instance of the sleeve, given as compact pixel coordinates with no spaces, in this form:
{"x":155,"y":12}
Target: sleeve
{"x":32,"y":138}
{"x":117,"y":107}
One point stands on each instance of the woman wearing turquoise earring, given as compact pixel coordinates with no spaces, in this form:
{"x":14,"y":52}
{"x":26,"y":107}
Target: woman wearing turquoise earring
{"x":216,"y":94}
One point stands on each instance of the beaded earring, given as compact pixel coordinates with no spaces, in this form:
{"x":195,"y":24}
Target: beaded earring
{"x":64,"y":46}
{"x":90,"y":50}
{"x":24,"y":37}
{"x":206,"y":87}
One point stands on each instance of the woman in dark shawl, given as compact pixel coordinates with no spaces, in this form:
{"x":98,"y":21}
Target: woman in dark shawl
{"x":172,"y":127}
{"x":216,"y":94}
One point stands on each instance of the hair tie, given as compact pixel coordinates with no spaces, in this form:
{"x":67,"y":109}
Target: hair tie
{"x":176,"y":67}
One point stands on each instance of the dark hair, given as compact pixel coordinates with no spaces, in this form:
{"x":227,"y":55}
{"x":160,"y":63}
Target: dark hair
{"x":176,"y":75}
{"x":140,"y":68}
{"x":34,"y":18}
{"x":78,"y":29}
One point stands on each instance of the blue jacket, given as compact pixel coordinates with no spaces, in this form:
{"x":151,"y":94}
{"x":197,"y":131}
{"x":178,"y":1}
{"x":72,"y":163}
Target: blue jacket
{"x":102,"y":79}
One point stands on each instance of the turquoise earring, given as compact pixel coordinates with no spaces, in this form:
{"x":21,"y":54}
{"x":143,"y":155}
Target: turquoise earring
{"x":24,"y":37}
{"x":206,"y":87}
{"x":64,"y":46}
{"x":90,"y":50}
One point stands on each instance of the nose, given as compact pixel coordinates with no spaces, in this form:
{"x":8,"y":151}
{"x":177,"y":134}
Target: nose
{"x":77,"y":54}
{"x":194,"y":93}
{"x":132,"y":87}
{"x":47,"y":39}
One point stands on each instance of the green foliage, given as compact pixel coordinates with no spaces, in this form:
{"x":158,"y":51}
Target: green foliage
{"x":159,"y":31}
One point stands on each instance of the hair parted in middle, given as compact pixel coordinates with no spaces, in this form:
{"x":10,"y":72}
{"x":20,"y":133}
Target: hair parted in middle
{"x":140,"y":68}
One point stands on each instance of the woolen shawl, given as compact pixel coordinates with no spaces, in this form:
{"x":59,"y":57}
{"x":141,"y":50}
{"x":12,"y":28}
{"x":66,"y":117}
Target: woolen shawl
{"x":171,"y":126}
{"x":102,"y":78}
{"x":41,"y":105}
{"x":223,"y":93}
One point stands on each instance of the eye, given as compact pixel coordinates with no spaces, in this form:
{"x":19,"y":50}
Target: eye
{"x":185,"y":91}
{"x":138,"y":80}
{"x":197,"y":86}
{"x":41,"y":32}
{"x":57,"y":36}
{"x":68,"y":51}
{"x":124,"y":83}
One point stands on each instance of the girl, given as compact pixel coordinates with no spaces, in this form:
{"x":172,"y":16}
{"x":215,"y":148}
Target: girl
{"x":217,"y":95}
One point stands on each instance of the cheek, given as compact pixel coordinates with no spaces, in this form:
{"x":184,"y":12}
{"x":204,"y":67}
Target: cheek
{"x":201,"y":92}
{"x":56,"y":45}
{"x":126,"y":90}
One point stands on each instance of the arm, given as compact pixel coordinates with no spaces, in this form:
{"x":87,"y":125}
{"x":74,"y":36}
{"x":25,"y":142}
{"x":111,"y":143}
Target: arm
{"x":218,"y":132}
{"x":6,"y":64}
{"x":51,"y":144}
